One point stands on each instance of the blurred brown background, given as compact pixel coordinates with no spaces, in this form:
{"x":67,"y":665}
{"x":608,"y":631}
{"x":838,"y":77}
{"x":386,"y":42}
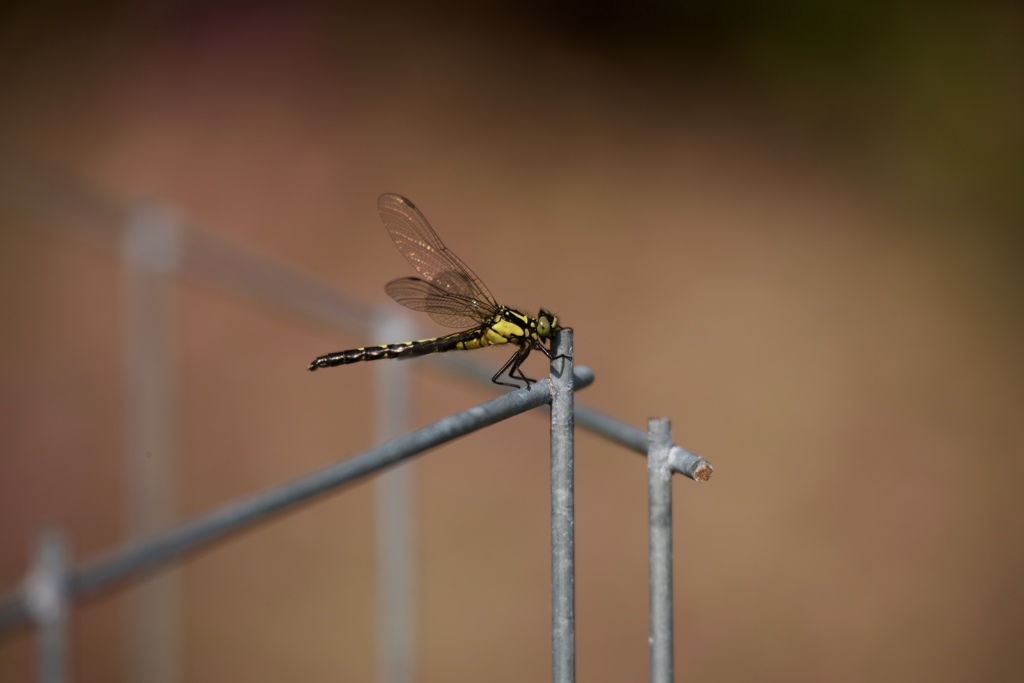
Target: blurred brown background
{"x":794,"y":230}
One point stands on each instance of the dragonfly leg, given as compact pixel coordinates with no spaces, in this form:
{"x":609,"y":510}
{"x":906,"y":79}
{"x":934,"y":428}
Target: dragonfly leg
{"x":514,"y":362}
{"x":547,"y":352}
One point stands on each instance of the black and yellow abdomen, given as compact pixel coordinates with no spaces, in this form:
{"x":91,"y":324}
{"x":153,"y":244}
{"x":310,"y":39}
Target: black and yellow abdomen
{"x":507,"y":325}
{"x":410,"y":349}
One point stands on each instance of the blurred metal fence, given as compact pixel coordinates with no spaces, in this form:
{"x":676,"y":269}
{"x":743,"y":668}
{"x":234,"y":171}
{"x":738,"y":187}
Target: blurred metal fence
{"x":157,"y":246}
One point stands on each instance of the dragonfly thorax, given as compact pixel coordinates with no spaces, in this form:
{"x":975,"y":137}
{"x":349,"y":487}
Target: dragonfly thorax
{"x":513,"y":324}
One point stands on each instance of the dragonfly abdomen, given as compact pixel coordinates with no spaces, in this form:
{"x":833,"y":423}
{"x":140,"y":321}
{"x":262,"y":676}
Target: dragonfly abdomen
{"x":469,"y":339}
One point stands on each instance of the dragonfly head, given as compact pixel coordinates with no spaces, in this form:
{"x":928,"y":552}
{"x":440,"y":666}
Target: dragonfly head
{"x":547,"y":323}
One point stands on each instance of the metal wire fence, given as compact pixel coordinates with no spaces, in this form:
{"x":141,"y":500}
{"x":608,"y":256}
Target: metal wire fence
{"x":158,"y":246}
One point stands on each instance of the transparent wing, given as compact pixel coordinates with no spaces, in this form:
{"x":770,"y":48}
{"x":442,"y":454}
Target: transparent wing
{"x":445,"y":307}
{"x":421,"y":246}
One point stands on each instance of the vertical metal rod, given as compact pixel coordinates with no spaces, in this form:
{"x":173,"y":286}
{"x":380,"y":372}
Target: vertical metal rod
{"x":151,"y":252}
{"x":659,"y":486}
{"x":48,"y":603}
{"x":396,"y":561}
{"x":563,"y":593}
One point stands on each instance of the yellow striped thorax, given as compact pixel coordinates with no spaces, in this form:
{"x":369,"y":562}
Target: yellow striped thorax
{"x":509,"y":325}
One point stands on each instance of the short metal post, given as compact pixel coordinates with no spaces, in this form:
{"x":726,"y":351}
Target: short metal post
{"x":47,"y":599}
{"x":659,"y":485}
{"x":563,"y":596}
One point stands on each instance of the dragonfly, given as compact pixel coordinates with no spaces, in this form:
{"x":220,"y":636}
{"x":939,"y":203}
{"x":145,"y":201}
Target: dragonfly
{"x":452,"y":295}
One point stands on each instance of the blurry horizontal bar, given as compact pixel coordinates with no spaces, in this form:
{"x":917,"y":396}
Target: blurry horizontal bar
{"x":147,"y":554}
{"x":682,"y":461}
{"x":88,"y":213}
{"x":31,"y":183}
{"x":212,"y":260}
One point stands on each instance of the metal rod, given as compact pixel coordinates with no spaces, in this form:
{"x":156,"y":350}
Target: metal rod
{"x":47,"y":600}
{"x":563,"y":594}
{"x":396,"y":529}
{"x":659,"y":487}
{"x":684,"y":462}
{"x":151,"y":253}
{"x":147,"y":554}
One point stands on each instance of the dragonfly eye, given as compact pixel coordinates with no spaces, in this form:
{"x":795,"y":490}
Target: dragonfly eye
{"x":545,"y":321}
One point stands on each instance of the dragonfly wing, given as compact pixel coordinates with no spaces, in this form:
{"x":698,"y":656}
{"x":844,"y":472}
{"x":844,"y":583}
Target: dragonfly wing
{"x":421,"y":246}
{"x":444,"y":307}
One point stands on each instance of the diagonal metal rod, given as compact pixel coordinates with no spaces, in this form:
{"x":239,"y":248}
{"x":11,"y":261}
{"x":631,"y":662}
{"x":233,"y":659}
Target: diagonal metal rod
{"x":563,"y":594}
{"x":148,"y":553}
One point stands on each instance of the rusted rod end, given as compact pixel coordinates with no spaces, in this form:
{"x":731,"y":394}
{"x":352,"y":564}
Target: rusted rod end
{"x":693,"y":466}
